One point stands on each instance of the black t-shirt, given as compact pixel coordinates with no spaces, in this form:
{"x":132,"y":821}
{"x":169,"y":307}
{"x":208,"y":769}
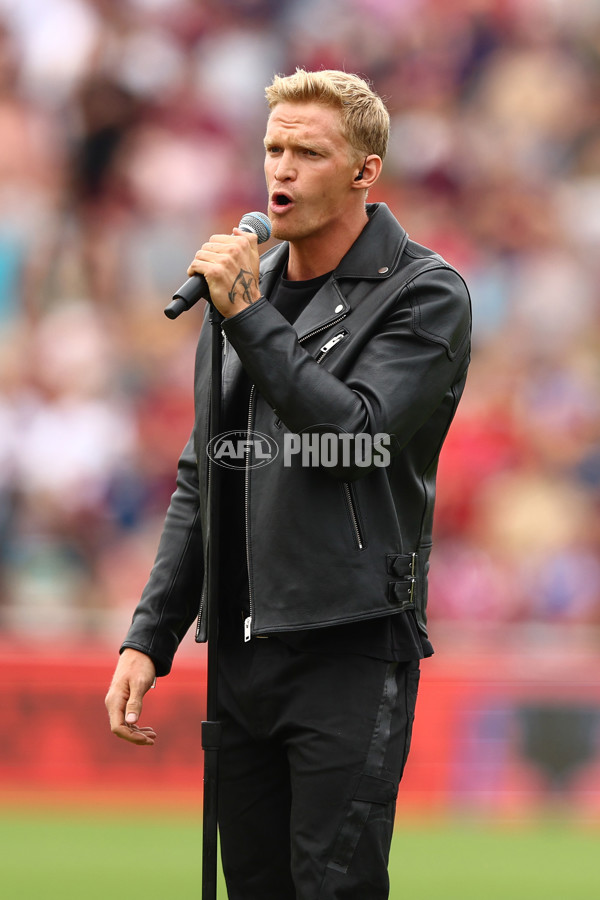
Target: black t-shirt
{"x":393,"y":638}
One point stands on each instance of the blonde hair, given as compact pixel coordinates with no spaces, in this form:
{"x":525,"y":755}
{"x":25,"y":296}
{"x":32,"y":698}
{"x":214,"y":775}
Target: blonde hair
{"x":365,"y":120}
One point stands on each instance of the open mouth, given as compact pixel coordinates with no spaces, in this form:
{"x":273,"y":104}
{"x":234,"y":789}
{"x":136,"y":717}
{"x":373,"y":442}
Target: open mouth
{"x":280,"y":201}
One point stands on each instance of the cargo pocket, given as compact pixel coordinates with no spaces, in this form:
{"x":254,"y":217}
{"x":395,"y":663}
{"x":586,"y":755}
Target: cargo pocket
{"x":371,"y":790}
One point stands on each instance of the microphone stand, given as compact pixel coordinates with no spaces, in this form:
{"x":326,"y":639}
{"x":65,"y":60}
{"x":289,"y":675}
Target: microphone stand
{"x":211,"y":727}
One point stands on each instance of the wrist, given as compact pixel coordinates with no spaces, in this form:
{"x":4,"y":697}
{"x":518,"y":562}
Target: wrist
{"x":239,"y":306}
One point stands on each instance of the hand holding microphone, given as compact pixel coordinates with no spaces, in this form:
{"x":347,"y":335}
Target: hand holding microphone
{"x":196,"y":287}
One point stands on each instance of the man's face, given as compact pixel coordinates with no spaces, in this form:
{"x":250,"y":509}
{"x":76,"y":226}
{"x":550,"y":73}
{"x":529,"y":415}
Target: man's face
{"x":310,"y":169}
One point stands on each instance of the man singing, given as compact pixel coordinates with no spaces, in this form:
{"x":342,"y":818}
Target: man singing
{"x":343,"y":331}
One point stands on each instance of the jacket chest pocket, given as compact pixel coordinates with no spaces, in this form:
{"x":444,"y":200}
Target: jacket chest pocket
{"x":330,"y":344}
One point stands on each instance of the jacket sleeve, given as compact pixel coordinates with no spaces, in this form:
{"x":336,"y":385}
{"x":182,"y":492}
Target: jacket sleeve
{"x":171,"y":598}
{"x":404,"y":368}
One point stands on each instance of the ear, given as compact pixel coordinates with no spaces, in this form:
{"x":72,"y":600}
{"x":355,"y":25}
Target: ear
{"x":368,"y":173}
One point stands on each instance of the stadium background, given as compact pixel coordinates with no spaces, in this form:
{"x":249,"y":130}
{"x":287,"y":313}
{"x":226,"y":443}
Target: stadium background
{"x":132,"y":129}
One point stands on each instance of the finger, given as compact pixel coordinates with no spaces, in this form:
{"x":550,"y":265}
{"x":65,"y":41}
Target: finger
{"x":220,"y":244}
{"x":202,"y":262}
{"x":115,"y":702}
{"x":249,"y":235}
{"x":133,"y":709}
{"x":143,"y":737}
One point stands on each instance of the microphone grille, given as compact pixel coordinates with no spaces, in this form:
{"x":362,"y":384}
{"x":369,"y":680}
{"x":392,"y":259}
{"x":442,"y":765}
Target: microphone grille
{"x":258,"y":224}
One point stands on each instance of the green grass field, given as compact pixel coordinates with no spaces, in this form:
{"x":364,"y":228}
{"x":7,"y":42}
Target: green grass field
{"x":70,"y":856}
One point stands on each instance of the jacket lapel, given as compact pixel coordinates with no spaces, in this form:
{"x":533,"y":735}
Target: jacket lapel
{"x":328,"y":305}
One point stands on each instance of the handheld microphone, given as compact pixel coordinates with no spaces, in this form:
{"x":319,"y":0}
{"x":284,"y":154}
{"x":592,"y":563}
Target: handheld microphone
{"x":196,"y":287}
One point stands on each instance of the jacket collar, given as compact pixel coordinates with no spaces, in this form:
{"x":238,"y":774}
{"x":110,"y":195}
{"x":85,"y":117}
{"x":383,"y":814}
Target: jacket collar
{"x":375,"y":255}
{"x":377,"y":250}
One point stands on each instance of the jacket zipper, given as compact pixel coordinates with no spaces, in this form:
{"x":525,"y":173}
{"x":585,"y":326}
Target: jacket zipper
{"x":205,"y":584}
{"x":330,"y":344}
{"x":200,"y":613}
{"x":312,"y":333}
{"x":248,"y":619}
{"x":353,"y":515}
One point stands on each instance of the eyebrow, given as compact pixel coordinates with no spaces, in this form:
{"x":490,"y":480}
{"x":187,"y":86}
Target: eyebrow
{"x":297,"y":144}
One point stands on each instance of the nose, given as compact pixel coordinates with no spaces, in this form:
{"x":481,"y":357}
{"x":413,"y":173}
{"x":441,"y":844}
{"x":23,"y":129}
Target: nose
{"x":285,"y":169}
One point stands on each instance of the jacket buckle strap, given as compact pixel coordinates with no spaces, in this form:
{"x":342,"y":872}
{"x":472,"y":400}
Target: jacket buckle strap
{"x":413,"y":575}
{"x":402,"y":590}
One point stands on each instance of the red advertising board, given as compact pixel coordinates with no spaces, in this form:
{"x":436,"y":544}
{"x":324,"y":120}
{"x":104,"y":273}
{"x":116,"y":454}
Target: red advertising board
{"x":493,"y":734}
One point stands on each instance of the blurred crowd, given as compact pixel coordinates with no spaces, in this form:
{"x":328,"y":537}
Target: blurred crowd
{"x":132,"y":129}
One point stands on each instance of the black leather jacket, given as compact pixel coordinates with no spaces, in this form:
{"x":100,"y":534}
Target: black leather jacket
{"x":382,"y":349}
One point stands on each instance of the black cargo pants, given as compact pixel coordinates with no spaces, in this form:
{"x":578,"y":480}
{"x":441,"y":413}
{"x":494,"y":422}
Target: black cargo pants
{"x":313,"y":749}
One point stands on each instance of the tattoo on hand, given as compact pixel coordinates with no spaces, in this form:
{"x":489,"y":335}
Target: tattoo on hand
{"x":242,"y":286}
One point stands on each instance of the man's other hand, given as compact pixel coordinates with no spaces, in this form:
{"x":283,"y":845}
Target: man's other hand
{"x":134,"y":675}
